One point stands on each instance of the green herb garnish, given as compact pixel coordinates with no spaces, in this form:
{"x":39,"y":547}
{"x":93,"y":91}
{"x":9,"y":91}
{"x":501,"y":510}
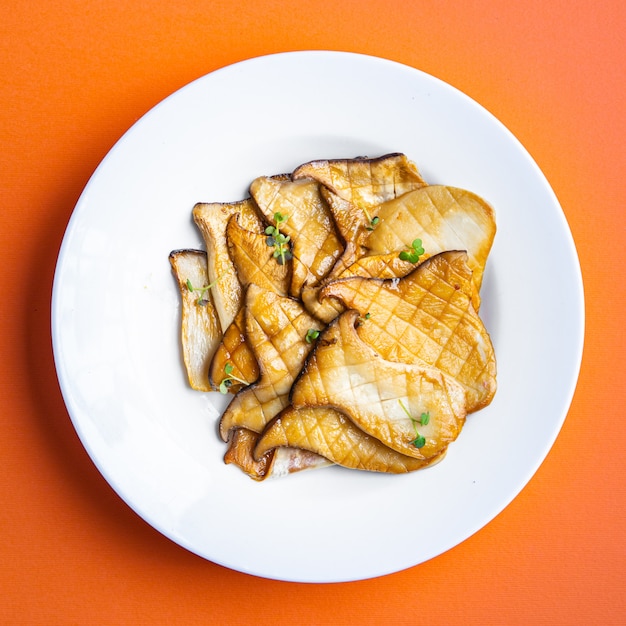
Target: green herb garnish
{"x":228,"y":380}
{"x":311,"y":335}
{"x":276,"y":239}
{"x":372,"y":221}
{"x":424,"y":418}
{"x":201,"y":300}
{"x":414,"y":253}
{"x":363,"y":318}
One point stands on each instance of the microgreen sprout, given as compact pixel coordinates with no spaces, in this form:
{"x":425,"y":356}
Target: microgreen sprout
{"x":229,"y":379}
{"x":276,"y":239}
{"x":372,"y":221}
{"x":363,"y":318}
{"x":202,"y":301}
{"x":414,"y":253}
{"x":311,"y":335}
{"x":424,"y":418}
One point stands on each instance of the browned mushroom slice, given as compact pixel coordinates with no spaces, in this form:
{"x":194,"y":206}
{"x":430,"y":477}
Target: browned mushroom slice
{"x":331,"y":434}
{"x":325,"y":311}
{"x":444,"y":218}
{"x":388,"y":265}
{"x":274,"y":464}
{"x":362,"y":181}
{"x":353,"y":223}
{"x":240,"y":446}
{"x":200,"y":332}
{"x":276,"y":328}
{"x":234,"y":352}
{"x":314,"y":239}
{"x":380,"y":266}
{"x":212,"y":220}
{"x":413,"y":409}
{"x":254,"y":263}
{"x":253,"y":258}
{"x":427,"y":317}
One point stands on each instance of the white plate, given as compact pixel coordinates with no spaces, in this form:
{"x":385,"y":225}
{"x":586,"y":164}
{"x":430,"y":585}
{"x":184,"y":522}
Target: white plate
{"x":115,"y":321}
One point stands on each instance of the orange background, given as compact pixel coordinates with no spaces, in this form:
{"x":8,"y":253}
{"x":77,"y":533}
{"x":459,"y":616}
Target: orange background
{"x":75,"y":76}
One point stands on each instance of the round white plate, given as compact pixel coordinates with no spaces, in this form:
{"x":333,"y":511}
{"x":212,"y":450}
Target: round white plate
{"x":115,"y":317}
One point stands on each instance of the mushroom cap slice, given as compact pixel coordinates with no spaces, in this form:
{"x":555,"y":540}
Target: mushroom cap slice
{"x":363,"y":181}
{"x":427,"y":317}
{"x":254,"y":263}
{"x":315,"y":242}
{"x":276,"y":327}
{"x":328,"y":432}
{"x":275,"y":463}
{"x":253,"y":258}
{"x":383,"y":398}
{"x":444,"y":218}
{"x":212,"y":220}
{"x":234,"y":349}
{"x":200,"y":330}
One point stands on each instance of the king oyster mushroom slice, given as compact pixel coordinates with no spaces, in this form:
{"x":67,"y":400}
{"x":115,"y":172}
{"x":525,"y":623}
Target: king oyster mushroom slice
{"x":413,"y":409}
{"x":365,"y":182}
{"x":427,"y":317}
{"x":333,"y":435}
{"x":200,"y":331}
{"x":276,"y":327}
{"x":274,"y":464}
{"x":254,"y":260}
{"x":254,"y":263}
{"x":235,"y":355}
{"x":444,"y":218}
{"x":212,"y":220}
{"x":315,"y":243}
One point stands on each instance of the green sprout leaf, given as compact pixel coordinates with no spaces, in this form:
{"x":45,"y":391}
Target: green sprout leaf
{"x":424,"y":418}
{"x":202,"y":300}
{"x":276,"y":239}
{"x":363,"y":318}
{"x":311,"y":335}
{"x":371,"y":221}
{"x":228,"y":380}
{"x":419,"y":441}
{"x":414,"y":253}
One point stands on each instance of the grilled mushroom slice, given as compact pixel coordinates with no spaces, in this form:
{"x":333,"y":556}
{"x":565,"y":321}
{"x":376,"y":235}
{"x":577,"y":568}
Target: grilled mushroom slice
{"x":330,"y":433}
{"x":363,"y":181}
{"x":212,"y":220}
{"x":427,"y":317}
{"x":273,"y":464}
{"x":276,"y":327}
{"x":233,"y":358}
{"x":444,"y":218}
{"x":253,"y":258}
{"x":200,"y":331}
{"x":315,"y":242}
{"x":254,"y":263}
{"x":412,"y":409}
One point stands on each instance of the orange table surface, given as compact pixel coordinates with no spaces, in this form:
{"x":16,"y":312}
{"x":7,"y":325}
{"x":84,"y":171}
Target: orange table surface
{"x":75,"y":76}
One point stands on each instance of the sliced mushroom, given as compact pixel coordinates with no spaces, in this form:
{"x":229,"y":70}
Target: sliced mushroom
{"x":329,"y":433}
{"x":276,"y":327}
{"x":413,"y":409}
{"x":444,"y":218}
{"x":427,"y":318}
{"x":364,"y":182}
{"x":275,"y":463}
{"x":200,"y":331}
{"x":234,"y":352}
{"x":254,"y":260}
{"x":315,"y":242}
{"x":212,"y":220}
